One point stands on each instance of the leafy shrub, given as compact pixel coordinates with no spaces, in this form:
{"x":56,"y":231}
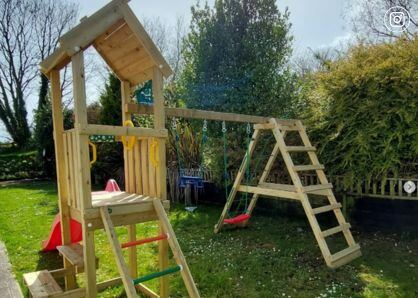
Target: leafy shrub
{"x":20,"y":166}
{"x":363,"y":111}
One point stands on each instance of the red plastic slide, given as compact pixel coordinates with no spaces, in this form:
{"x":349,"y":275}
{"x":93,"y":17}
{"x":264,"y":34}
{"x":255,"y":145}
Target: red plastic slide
{"x":55,"y":238}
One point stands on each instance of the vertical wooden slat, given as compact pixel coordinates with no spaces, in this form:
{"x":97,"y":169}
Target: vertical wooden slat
{"x":137,"y":160}
{"x":144,"y":167}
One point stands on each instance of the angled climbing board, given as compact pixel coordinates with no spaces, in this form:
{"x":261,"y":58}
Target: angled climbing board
{"x":295,"y":191}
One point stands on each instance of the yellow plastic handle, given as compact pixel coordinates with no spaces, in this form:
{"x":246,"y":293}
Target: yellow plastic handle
{"x":128,"y":142}
{"x":153,"y":153}
{"x":94,"y":151}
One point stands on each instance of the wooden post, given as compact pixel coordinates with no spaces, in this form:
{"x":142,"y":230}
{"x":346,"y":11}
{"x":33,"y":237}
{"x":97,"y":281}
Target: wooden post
{"x":159,"y":123}
{"x":83,"y":170}
{"x":58,"y":123}
{"x":128,"y":156}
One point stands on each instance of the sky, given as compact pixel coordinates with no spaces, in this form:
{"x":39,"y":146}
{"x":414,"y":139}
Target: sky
{"x":315,"y":24}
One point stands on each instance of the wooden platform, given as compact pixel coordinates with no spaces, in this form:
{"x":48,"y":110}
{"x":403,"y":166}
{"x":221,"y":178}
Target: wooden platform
{"x":104,"y":198}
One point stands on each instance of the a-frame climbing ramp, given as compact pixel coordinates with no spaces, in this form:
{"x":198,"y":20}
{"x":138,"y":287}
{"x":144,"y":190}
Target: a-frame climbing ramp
{"x":296,"y":191}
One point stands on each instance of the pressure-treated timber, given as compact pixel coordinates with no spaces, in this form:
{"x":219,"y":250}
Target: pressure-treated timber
{"x":175,"y":247}
{"x":161,"y":171}
{"x":120,"y":262}
{"x":299,"y":148}
{"x":327,"y":208}
{"x":83,"y":188}
{"x":207,"y":115}
{"x":63,"y":186}
{"x":95,"y":129}
{"x":41,"y":284}
{"x":308,"y":168}
{"x":296,"y":191}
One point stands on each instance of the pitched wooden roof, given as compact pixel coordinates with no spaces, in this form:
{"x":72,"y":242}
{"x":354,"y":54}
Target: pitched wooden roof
{"x":118,"y":37}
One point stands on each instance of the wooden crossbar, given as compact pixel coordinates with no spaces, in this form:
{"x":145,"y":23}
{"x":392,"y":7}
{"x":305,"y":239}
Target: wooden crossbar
{"x":206,"y":115}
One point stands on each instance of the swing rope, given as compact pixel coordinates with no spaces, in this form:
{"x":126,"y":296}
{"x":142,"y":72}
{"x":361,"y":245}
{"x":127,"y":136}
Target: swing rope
{"x":226,"y":176}
{"x":247,"y":174}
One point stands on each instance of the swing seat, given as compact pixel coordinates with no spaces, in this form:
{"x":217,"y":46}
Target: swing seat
{"x":237,"y":219}
{"x":191,"y":180}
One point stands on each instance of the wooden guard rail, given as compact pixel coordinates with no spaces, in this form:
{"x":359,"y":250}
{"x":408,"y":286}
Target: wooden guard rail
{"x":71,"y":168}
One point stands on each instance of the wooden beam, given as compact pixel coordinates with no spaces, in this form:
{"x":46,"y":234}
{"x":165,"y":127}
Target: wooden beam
{"x":83,"y":35}
{"x":161,"y":172}
{"x":175,"y":247}
{"x":63,"y":187}
{"x":95,"y":129}
{"x":83,"y":183}
{"x":270,"y":192}
{"x":205,"y":115}
{"x":117,"y":251}
{"x":129,"y":165}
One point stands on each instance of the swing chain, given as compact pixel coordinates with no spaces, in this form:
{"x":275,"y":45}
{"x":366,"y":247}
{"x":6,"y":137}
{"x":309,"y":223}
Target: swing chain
{"x":223,"y":126}
{"x":248,"y":128}
{"x":205,"y":125}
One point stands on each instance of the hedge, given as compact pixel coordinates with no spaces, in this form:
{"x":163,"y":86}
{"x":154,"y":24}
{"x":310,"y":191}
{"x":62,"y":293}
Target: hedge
{"x":16,"y":166}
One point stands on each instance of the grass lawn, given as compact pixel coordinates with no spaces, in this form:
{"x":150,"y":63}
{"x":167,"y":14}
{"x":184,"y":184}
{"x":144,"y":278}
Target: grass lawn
{"x":274,"y":257}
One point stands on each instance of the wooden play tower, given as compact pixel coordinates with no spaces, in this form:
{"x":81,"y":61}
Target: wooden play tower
{"x":122,"y":42}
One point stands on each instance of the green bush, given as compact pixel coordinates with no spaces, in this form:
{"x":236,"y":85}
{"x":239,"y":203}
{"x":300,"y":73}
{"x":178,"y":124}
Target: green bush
{"x":363,"y":110}
{"x":20,"y":166}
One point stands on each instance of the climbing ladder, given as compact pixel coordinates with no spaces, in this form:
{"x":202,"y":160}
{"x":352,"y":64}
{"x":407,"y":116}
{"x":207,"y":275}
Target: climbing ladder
{"x":295,"y":191}
{"x":167,"y":234}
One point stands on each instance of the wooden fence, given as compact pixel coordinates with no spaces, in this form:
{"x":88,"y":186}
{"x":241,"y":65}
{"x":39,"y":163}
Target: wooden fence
{"x":387,"y":188}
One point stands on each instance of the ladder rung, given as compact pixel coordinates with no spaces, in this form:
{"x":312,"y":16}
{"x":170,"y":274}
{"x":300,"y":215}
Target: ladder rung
{"x":336,"y":230}
{"x":308,"y":168}
{"x":144,"y":241}
{"x":326,"y":208}
{"x":299,"y":149}
{"x":316,"y":187}
{"x":344,"y":256}
{"x":157,"y":274}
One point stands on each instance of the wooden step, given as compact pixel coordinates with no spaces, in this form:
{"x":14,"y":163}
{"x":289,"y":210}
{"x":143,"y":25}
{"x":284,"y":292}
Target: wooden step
{"x":326,"y":208}
{"x":73,"y":253}
{"x":308,"y":168}
{"x":41,"y":284}
{"x":336,"y":230}
{"x":299,"y":149}
{"x":316,"y":187}
{"x":345,"y":256}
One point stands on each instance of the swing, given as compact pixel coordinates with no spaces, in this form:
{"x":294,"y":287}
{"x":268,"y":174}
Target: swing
{"x":233,"y":220}
{"x":189,"y":182}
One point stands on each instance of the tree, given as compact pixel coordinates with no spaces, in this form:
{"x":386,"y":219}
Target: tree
{"x":29,"y":31}
{"x":17,"y":64}
{"x":367,"y":18}
{"x":362,"y":111}
{"x":51,"y":18}
{"x":236,"y":60}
